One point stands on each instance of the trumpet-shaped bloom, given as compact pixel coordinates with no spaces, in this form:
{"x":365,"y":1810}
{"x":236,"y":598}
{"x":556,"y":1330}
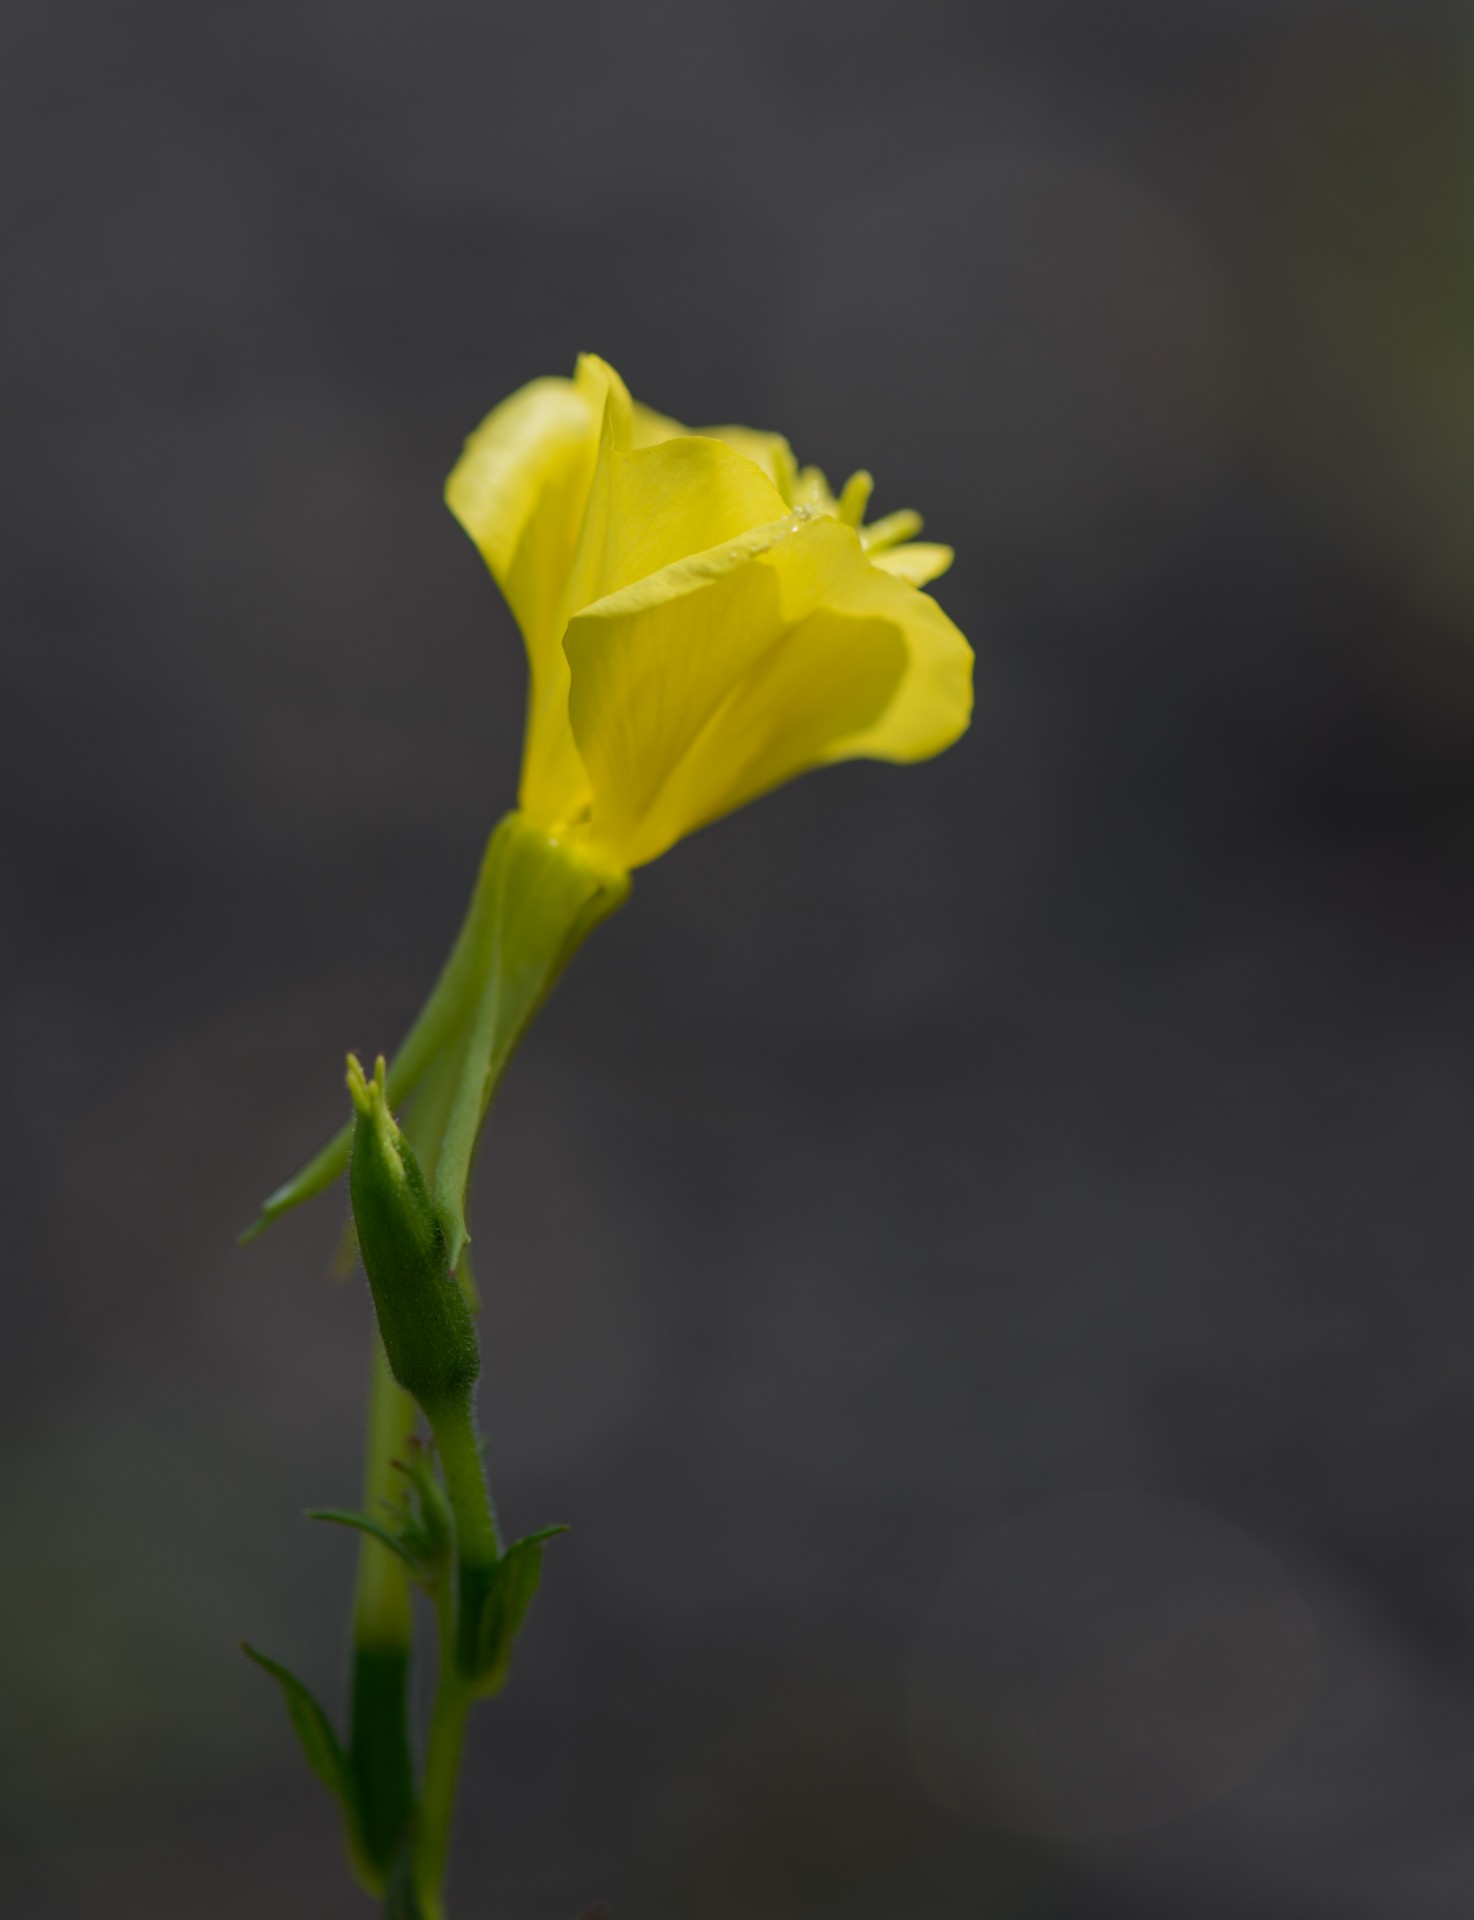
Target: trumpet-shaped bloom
{"x":703,"y":619}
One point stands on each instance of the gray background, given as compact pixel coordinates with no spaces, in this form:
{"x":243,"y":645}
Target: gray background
{"x":981,"y":1255}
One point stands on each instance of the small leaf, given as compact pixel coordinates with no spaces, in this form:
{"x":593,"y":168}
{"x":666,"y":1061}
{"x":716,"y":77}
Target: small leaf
{"x":538,"y":1539}
{"x":429,"y":1530}
{"x":365,"y":1523}
{"x":516,"y":1580}
{"x":320,"y":1745}
{"x":323,"y":1752}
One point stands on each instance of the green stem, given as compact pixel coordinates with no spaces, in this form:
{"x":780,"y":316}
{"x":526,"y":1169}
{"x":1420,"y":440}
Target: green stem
{"x":381,"y":1603}
{"x":458,"y":1612}
{"x":383,"y":1626}
{"x":478,"y":1549}
{"x":443,"y":1751}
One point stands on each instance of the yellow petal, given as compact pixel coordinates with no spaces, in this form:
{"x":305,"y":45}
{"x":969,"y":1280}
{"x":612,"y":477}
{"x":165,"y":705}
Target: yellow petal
{"x":650,"y":664}
{"x":520,"y":489}
{"x":933,"y":702}
{"x":814,"y":698}
{"x":651,"y":427}
{"x":658,"y":504}
{"x":768,"y":451}
{"x":644,"y":508}
{"x":696,"y":690}
{"x":554,"y":787}
{"x":916,"y":563}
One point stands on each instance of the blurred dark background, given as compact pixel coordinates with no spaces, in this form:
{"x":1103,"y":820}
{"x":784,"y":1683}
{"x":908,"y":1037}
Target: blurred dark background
{"x":981,"y":1255}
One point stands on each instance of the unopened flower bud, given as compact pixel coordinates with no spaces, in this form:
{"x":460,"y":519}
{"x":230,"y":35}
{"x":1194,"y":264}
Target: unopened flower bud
{"x":424,"y":1321}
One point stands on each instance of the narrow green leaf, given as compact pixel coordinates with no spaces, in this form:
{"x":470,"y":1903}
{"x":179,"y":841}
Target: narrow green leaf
{"x":538,"y":1539}
{"x":366,"y":1523}
{"x":517,"y":1577}
{"x":323,"y":1752}
{"x":320,"y":1745}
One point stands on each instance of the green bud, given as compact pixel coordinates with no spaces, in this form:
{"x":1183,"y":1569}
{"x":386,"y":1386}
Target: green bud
{"x":424,"y":1321}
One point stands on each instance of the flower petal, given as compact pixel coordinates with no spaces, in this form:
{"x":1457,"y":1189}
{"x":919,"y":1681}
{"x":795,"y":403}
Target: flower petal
{"x":768,"y":451}
{"x":932,"y":704}
{"x":651,"y":664}
{"x":700,"y":688}
{"x":520,"y":490}
{"x":648,"y":427}
{"x":572,"y":491}
{"x":652,"y":506}
{"x":875,"y":671}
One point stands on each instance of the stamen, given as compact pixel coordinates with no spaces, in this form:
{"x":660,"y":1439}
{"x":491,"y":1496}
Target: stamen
{"x":890,"y":531}
{"x":811,"y":489}
{"x":786,"y":472}
{"x":855,"y":498}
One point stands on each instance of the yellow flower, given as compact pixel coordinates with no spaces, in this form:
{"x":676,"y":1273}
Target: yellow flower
{"x":703,"y":620}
